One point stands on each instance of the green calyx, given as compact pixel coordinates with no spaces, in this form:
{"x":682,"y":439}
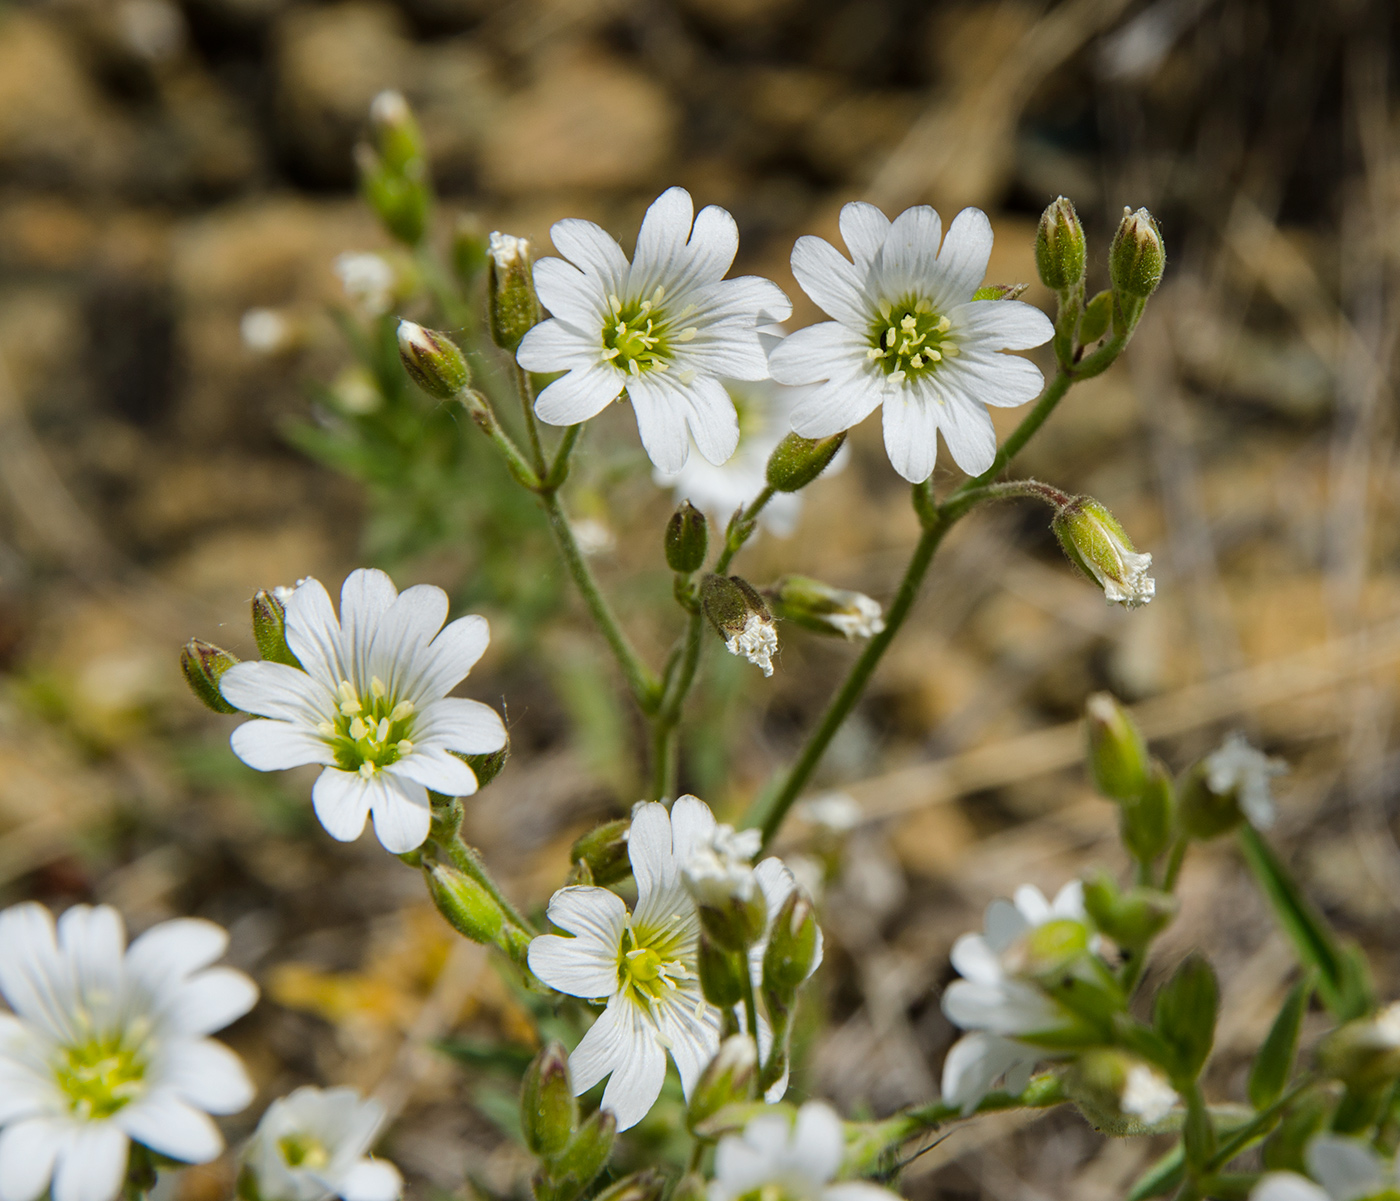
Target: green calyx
{"x":639,"y":335}
{"x":101,"y":1076}
{"x":910,"y":339}
{"x":369,"y":733}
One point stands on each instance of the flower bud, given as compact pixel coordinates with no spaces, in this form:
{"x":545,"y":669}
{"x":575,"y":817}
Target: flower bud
{"x":1184,"y":1015}
{"x":797,"y":461}
{"x":646,"y":1185}
{"x":727,"y":1080}
{"x":1117,"y":754}
{"x":721,"y":881}
{"x":548,"y":1111}
{"x":514,"y":307}
{"x":1137,"y":256}
{"x":469,"y":247}
{"x":397,"y":136}
{"x":1146,"y":824}
{"x":824,"y":609}
{"x":1102,"y":550}
{"x":721,"y":973}
{"x":466,"y":905}
{"x":433,"y":360}
{"x":1098,"y":315}
{"x":576,"y":1167}
{"x":687,"y":539}
{"x":400,"y":199}
{"x":1133,"y":918}
{"x":604,"y":850}
{"x":204,"y":664}
{"x":1118,"y":1093}
{"x":792,"y":950}
{"x":741,"y":618}
{"x":270,"y":629}
{"x":999,"y":291}
{"x":1364,"y":1054}
{"x":487,"y":767}
{"x":1060,"y":253}
{"x":1204,"y":813}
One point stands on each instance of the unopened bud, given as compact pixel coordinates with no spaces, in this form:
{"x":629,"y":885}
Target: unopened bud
{"x":548,"y":1111}
{"x":792,"y":950}
{"x":468,"y":250}
{"x":1102,"y":550}
{"x":721,"y":881}
{"x":396,"y":134}
{"x":727,"y":1080}
{"x":1000,"y":291}
{"x":515,"y":309}
{"x":687,"y":539}
{"x":1098,"y":315}
{"x":1060,"y":253}
{"x":1118,"y":1093}
{"x":399,"y":198}
{"x":1133,"y":918}
{"x":1364,"y":1054}
{"x":576,"y":1167}
{"x":646,"y":1185}
{"x":797,"y":461}
{"x":1137,"y":256}
{"x":204,"y":664}
{"x":1117,"y":754}
{"x":1184,"y":1014}
{"x":740,"y":617}
{"x":270,"y":629}
{"x":1147,"y":823}
{"x":487,"y":767}
{"x":824,"y":609}
{"x":604,"y":850}
{"x":467,"y":906}
{"x":1229,"y":784}
{"x":721,"y":973}
{"x":433,"y":360}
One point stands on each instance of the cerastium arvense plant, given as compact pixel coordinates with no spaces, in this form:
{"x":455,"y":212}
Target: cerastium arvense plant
{"x":699,"y":963}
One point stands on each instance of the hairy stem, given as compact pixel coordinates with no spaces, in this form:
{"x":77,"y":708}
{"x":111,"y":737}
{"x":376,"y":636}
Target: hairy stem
{"x":467,"y":860}
{"x":526,"y":390}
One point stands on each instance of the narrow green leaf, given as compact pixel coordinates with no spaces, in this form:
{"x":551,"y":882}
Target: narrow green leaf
{"x":1274,"y":1062}
{"x":1198,"y":1134}
{"x":1162,"y":1177}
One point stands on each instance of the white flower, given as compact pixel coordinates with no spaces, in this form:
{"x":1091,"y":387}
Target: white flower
{"x":782,"y":1160}
{"x":994,"y":1002}
{"x":311,"y":1145}
{"x":907,"y":334}
{"x":757,"y":642}
{"x":665,"y":327}
{"x":594,"y":537}
{"x":108,"y":1043}
{"x":1147,"y":1095}
{"x":721,"y":868}
{"x":265,"y":331}
{"x":642,"y":963}
{"x":835,"y":812}
{"x":1236,"y":767}
{"x":370,"y":703}
{"x":1347,"y":1169}
{"x":507,"y":250}
{"x":368,"y":280}
{"x":765,"y":414}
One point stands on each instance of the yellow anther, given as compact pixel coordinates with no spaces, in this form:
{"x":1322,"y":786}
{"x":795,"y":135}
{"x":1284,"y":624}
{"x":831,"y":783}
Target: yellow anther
{"x":687,"y":334}
{"x":658,"y":294}
{"x":916,"y":361}
{"x":951,"y":350}
{"x":325,"y":729}
{"x":907,"y":321}
{"x":933,"y":356}
{"x":367,"y":769}
{"x":633,"y":368}
{"x":897,"y":377}
{"x":646,"y":306}
{"x":404,"y":747}
{"x":376,"y":687}
{"x":889,"y":337}
{"x":923,"y":306}
{"x":874,"y":353}
{"x":614,"y":303}
{"x":687,"y":377}
{"x":944,"y":325}
{"x":402,"y":710}
{"x":349,"y":702}
{"x":381,"y":731}
{"x":358,"y":729}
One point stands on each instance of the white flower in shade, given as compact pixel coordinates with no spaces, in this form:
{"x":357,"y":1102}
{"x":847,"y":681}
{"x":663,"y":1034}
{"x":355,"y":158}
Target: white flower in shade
{"x":265,"y":331}
{"x":721,"y":867}
{"x":108,"y":1043}
{"x":779,"y":1159}
{"x":1147,"y":1095}
{"x":642,"y":963}
{"x":995,"y":1003}
{"x":765,"y":413}
{"x":908,"y":335}
{"x":1346,"y":1169}
{"x":665,"y":328}
{"x":833,"y":812}
{"x":368,"y":281}
{"x":370,"y":703}
{"x":594,"y":537}
{"x":1236,"y":767}
{"x":312,"y":1144}
{"x":757,"y":642}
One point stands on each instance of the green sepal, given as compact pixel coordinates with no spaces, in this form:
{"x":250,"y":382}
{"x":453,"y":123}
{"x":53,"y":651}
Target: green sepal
{"x":270,"y":629}
{"x":1098,"y":314}
{"x":1268,"y":1076}
{"x":1184,"y":1015}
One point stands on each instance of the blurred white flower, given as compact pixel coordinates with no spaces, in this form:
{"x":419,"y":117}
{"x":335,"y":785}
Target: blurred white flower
{"x":594,"y":537}
{"x":721,"y":867}
{"x":265,"y":331}
{"x":1240,"y":769}
{"x":1147,"y":1095}
{"x":108,"y":1043}
{"x":368,"y":281}
{"x":1346,"y":1169}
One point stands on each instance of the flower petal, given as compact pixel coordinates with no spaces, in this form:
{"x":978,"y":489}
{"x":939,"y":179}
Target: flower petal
{"x":174,"y":949}
{"x":371,"y":1180}
{"x":93,"y":940}
{"x":398,"y":650}
{"x":713,"y":420}
{"x":593,"y":249}
{"x":602,"y":1048}
{"x":341,"y":801}
{"x":462,"y":725}
{"x":585,"y":966}
{"x":400,"y":811}
{"x":267,"y":745}
{"x":636,"y":1082}
{"x":435,"y":770}
{"x":864,"y":229}
{"x":583,"y":393}
{"x":690,"y":1026}
{"x":967,"y":429}
{"x":1346,"y":1168}
{"x":207,"y":1074}
{"x":555,"y":345}
{"x":974,"y":960}
{"x":660,"y":256}
{"x":313,"y":634}
{"x":908,"y":262}
{"x":209,"y":1001}
{"x":1003,"y":924}
{"x":837,"y":405}
{"x":1003,"y":324}
{"x":911,"y":420}
{"x":973,"y":1064}
{"x":819,"y":352}
{"x":33,"y":977}
{"x":276,"y":690}
{"x":1003,"y":380}
{"x":27,"y":1153}
{"x":167,"y":1124}
{"x":818,"y":1140}
{"x":831,"y":280}
{"x":649,"y":850}
{"x":661,"y":422}
{"x":91,"y":1163}
{"x":365,"y":598}
{"x":963,"y":260}
{"x":567,"y":293}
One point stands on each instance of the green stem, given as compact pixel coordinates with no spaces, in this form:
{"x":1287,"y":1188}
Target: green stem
{"x":526,"y":391}
{"x":467,"y":860}
{"x":1174,"y":862}
{"x":559,"y":469}
{"x":750,"y":1007}
{"x":484,"y":415}
{"x":1256,"y":1127}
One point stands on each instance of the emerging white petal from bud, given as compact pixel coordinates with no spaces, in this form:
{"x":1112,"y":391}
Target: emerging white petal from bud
{"x":722,"y":868}
{"x":389,"y":108}
{"x":507,"y":250}
{"x":1147,"y":1095}
{"x":1239,"y":768}
{"x":757,"y":642}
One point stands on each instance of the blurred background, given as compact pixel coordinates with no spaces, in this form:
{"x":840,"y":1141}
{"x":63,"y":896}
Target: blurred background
{"x":167,"y":166}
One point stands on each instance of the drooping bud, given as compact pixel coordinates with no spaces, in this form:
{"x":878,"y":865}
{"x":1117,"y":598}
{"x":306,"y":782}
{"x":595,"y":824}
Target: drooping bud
{"x":270,"y":629}
{"x":824,"y":609}
{"x":720,"y":880}
{"x":604,"y":850}
{"x":1117,"y":754}
{"x":727,"y":1080}
{"x":433,"y":361}
{"x":1102,"y":550}
{"x":204,"y":664}
{"x":514,"y":307}
{"x":1133,"y":918}
{"x":797,"y":461}
{"x":739,"y":615}
{"x":1060,"y":253}
{"x":466,"y":905}
{"x":1137,"y":257}
{"x":687,"y":539}
{"x":469,"y":248}
{"x":548,"y":1110}
{"x":646,"y":1185}
{"x":1118,"y":1093}
{"x":1098,"y":315}
{"x":792,"y":950}
{"x":1184,"y":1015}
{"x":1364,"y":1054}
{"x":721,"y":973}
{"x":487,"y":767}
{"x":1146,"y":823}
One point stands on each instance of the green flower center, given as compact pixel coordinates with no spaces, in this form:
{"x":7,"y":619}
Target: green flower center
{"x":650,"y":963}
{"x":782,"y":1190}
{"x":100,"y":1076}
{"x":640,"y":335}
{"x":369,"y":732}
{"x":910,"y":339}
{"x":303,"y":1151}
